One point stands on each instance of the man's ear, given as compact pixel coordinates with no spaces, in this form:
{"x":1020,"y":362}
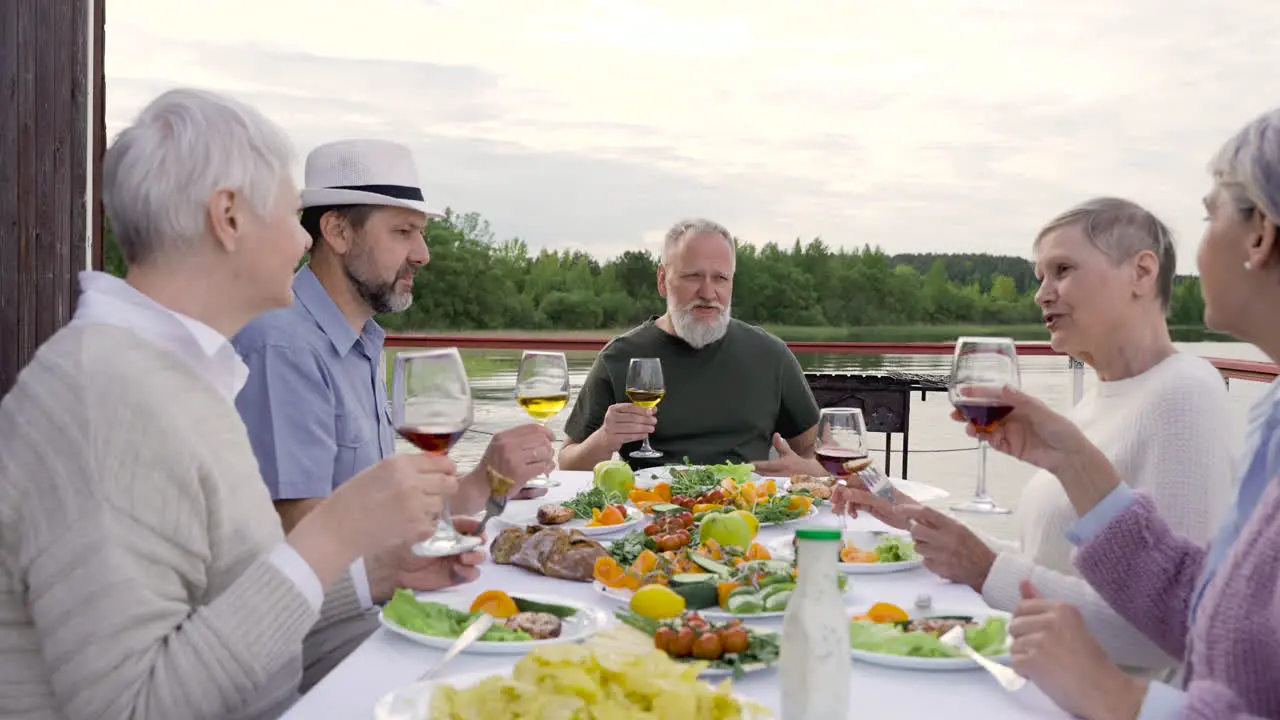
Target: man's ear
{"x":662,"y":281}
{"x":336,"y":232}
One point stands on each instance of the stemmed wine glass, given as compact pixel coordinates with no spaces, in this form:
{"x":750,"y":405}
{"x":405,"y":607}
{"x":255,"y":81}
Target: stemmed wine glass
{"x":542,"y":389}
{"x":432,"y":408}
{"x":645,"y":388}
{"x":980,"y":368}
{"x":842,"y":436}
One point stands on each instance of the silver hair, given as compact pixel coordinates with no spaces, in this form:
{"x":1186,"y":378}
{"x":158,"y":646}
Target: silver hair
{"x":1248,"y":166}
{"x":692,"y":228}
{"x":1121,"y":229}
{"x":185,"y":145}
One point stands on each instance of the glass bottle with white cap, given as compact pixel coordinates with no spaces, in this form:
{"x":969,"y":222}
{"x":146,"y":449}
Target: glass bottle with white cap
{"x":815,"y":659}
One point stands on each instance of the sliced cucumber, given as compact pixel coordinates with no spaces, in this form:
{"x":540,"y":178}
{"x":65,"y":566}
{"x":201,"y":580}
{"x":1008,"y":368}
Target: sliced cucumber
{"x":744,"y":605}
{"x":710,"y":565}
{"x":559,"y":611}
{"x":698,"y":596}
{"x":692,"y":578}
{"x":777,"y":602}
{"x":772,"y":590}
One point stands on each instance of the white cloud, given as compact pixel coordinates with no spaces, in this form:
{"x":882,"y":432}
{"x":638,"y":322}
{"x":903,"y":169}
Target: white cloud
{"x":593,"y":124}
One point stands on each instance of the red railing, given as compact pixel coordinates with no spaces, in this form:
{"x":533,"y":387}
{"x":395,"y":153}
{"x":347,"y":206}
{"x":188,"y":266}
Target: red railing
{"x":1235,"y":369}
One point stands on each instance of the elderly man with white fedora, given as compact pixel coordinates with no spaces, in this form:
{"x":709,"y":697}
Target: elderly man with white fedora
{"x":315,"y":403}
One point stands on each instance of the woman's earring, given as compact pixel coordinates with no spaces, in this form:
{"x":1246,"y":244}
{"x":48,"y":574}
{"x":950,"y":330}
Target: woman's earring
{"x":1248,"y":265}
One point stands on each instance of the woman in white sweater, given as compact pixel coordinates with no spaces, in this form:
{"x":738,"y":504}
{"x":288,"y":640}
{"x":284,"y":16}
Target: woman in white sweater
{"x":1161,"y":416}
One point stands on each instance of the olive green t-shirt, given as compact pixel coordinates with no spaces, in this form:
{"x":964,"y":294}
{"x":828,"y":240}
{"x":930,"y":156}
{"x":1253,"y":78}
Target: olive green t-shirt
{"x":723,"y":402}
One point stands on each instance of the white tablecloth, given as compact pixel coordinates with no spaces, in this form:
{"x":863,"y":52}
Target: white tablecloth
{"x":387,"y":661}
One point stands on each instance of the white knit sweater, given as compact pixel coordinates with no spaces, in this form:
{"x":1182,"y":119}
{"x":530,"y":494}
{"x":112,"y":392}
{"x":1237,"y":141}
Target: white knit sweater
{"x":1170,"y":434}
{"x":134,"y":540}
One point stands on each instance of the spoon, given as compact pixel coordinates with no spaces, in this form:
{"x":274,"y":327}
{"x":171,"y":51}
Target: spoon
{"x":1008,"y":679}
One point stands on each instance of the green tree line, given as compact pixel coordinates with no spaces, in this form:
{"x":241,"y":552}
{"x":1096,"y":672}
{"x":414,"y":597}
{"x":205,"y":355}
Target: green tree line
{"x":476,"y":282}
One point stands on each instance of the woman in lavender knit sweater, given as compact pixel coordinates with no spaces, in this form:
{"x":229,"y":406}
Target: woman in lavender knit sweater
{"x":1215,"y":607}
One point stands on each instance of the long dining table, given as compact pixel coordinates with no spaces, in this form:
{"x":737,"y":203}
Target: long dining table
{"x":387,"y":661}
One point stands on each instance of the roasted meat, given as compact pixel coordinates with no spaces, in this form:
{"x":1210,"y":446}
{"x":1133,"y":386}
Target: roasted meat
{"x":554,"y":514}
{"x":540,"y":625}
{"x":554,"y":552}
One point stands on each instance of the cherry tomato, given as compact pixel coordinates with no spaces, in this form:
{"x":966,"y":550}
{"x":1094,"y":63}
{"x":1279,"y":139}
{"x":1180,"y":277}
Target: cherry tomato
{"x":734,"y":640}
{"x":683,"y":536}
{"x":651,"y":530}
{"x":662,"y":639}
{"x":707,"y":647}
{"x":682,"y":644}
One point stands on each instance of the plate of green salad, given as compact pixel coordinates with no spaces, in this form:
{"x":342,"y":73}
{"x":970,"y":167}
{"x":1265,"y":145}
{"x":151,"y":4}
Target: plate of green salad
{"x":696,"y":475}
{"x":913,"y":643}
{"x":524,"y":622}
{"x":863,"y":552}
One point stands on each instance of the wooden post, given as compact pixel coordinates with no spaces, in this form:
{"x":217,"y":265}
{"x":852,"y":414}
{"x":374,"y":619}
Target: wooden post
{"x":50,"y":139}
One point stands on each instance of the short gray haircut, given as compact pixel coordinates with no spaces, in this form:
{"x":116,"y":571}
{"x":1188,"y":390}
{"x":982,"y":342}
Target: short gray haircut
{"x":184,"y":146}
{"x":692,"y":228}
{"x":1121,"y":229}
{"x":1248,"y":166}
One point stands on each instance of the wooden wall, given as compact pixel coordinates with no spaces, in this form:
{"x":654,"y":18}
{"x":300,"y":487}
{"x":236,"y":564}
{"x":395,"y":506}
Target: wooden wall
{"x":51,"y":134}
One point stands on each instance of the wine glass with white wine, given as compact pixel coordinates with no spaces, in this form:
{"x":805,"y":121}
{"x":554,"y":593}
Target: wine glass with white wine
{"x":542,"y":389}
{"x":646,"y":388}
{"x":431,"y":407}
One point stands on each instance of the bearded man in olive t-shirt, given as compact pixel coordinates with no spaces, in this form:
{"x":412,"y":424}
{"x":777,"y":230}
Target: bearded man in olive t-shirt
{"x":730,"y":386}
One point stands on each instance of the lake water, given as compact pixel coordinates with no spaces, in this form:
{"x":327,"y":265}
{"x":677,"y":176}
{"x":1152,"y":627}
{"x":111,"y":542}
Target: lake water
{"x":941,"y":454}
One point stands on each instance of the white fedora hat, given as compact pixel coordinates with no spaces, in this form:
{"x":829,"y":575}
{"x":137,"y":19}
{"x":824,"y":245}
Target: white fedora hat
{"x":363,"y":172}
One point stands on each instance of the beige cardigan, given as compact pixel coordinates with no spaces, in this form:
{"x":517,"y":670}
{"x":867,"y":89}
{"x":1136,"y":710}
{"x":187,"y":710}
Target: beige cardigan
{"x":134,"y":532}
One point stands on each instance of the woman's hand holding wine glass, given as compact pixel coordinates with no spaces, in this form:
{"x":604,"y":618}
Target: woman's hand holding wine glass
{"x":542,"y":390}
{"x":1030,"y":432}
{"x":432,"y":408}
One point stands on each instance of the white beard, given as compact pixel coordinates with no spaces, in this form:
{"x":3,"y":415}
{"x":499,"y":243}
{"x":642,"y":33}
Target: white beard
{"x":698,"y":333}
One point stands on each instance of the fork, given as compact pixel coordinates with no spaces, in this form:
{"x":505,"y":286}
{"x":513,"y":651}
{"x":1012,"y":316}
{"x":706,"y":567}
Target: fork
{"x":878,"y":483}
{"x":493,"y":506}
{"x":407,"y":702}
{"x":1008,"y":678}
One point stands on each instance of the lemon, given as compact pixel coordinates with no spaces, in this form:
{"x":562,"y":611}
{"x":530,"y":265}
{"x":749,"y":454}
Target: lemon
{"x":753,"y":523}
{"x":657,"y":602}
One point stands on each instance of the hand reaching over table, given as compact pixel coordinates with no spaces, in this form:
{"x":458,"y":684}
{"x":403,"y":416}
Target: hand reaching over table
{"x":949,"y":549}
{"x":788,"y":462}
{"x":1052,"y":647}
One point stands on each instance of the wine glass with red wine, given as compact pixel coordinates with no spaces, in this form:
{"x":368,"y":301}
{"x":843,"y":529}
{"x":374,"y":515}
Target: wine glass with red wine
{"x":431,"y":408}
{"x":842,"y":437}
{"x":980,"y":368}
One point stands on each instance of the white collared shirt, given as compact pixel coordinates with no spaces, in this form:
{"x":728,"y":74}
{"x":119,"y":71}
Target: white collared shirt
{"x":108,"y":300}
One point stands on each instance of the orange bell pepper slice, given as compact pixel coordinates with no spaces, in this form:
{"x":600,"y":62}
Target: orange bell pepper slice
{"x":495,"y":603}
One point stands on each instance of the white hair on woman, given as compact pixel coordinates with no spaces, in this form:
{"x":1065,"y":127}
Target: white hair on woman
{"x":1248,"y":166}
{"x":1121,"y":229}
{"x":184,"y":146}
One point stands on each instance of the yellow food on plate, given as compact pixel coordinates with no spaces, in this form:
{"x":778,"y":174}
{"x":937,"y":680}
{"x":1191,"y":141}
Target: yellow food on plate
{"x":883,"y":612}
{"x":657,"y":602}
{"x":617,"y":674}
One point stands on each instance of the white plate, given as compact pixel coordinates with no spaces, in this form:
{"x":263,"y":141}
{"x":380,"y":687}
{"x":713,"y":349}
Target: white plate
{"x":781,"y":549}
{"x":711,"y":613}
{"x":911,"y":662}
{"x":649,"y":477}
{"x":921,"y":492}
{"x":580,"y":626}
{"x":528,"y":515}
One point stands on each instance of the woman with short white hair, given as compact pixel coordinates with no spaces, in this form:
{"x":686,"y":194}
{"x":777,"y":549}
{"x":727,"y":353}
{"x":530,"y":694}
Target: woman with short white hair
{"x":1106,"y":270}
{"x":1214,"y":604}
{"x":143,"y":571}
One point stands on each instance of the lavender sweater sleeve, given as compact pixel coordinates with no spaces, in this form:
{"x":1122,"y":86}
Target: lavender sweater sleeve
{"x":1145,"y":572}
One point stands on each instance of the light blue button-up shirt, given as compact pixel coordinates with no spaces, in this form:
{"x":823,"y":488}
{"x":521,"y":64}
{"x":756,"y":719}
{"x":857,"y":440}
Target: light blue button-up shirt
{"x":315,"y":405}
{"x":1260,"y":464}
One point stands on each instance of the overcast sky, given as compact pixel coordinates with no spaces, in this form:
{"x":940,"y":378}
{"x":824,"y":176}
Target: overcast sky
{"x":945,"y":126}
